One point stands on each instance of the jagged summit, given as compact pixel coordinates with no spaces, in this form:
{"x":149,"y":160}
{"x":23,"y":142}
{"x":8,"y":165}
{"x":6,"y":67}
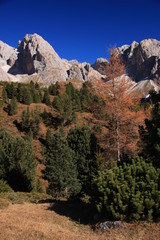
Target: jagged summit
{"x":142,"y":60}
{"x":35,"y":59}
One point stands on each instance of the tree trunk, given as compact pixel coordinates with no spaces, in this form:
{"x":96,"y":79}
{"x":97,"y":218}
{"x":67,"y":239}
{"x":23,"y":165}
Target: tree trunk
{"x":118,"y":140}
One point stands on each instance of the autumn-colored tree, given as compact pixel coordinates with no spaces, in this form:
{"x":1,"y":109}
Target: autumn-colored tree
{"x":120,"y":108}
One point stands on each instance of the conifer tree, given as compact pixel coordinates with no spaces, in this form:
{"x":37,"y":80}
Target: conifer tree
{"x":74,"y":96}
{"x":60,"y":171}
{"x":30,"y":121}
{"x":4,"y":95}
{"x":63,"y":104}
{"x":12,"y":108}
{"x":46,"y":98}
{"x":27,"y":97}
{"x":17,"y":162}
{"x":83,"y":142}
{"x":122,"y":119}
{"x":53,"y":89}
{"x":150,"y":136}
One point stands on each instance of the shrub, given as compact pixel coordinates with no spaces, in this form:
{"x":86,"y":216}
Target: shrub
{"x":17,"y":162}
{"x":4,"y":187}
{"x":130,"y":192}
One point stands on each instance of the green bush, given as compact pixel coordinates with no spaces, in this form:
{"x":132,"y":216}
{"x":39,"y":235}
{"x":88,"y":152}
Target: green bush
{"x":17,"y":162}
{"x":4,"y":187}
{"x":129,"y":192}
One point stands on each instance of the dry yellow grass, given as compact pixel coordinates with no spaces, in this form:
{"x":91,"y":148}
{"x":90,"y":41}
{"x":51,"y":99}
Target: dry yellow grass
{"x":38,"y":222}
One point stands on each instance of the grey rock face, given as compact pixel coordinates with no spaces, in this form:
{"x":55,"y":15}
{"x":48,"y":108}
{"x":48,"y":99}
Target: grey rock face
{"x":100,"y":65}
{"x":142,"y":60}
{"x":110,"y":224}
{"x":8,"y":54}
{"x":36,"y":59}
{"x":82,"y":71}
{"x":35,"y":55}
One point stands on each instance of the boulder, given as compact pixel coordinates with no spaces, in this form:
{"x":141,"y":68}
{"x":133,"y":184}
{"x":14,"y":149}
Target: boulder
{"x":110,"y":224}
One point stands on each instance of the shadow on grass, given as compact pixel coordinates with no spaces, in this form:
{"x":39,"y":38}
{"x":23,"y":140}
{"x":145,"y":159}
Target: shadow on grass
{"x":77,"y":211}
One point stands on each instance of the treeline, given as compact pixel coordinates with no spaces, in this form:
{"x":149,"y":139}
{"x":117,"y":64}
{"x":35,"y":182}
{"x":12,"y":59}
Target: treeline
{"x":68,"y":102}
{"x":65,"y":104}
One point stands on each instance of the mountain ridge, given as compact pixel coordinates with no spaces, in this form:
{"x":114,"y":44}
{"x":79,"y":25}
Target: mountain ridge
{"x":35,"y":59}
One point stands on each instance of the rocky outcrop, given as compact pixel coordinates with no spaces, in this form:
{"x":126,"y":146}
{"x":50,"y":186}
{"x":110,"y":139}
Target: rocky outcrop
{"x":82,"y":71}
{"x":36,"y":56}
{"x":110,"y":224}
{"x":8,"y":54}
{"x":36,"y":59}
{"x":100,"y":65}
{"x":142,"y":60}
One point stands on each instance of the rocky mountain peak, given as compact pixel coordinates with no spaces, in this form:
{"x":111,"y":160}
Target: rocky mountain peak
{"x":37,"y":57}
{"x":142,"y":60}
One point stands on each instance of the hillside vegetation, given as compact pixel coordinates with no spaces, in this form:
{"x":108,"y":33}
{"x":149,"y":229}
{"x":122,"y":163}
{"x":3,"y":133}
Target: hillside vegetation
{"x":95,"y":145}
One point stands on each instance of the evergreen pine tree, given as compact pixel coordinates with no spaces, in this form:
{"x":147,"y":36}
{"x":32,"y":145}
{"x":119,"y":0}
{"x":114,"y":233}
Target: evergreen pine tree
{"x":60,"y":171}
{"x":46,"y":98}
{"x":17,"y":162}
{"x":12,"y":108}
{"x":27,"y":97}
{"x":83,"y":142}
{"x":63,"y":104}
{"x":150,"y":136}
{"x":4,"y":95}
{"x":53,"y":89}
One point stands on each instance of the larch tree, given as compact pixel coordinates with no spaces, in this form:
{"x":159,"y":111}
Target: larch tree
{"x":119,"y":107}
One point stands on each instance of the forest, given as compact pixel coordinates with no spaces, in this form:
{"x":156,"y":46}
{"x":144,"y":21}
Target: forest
{"x":97,"y":141}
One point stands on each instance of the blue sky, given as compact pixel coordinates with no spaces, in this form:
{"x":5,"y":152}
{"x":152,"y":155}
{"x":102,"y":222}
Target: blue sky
{"x":80,"y":29}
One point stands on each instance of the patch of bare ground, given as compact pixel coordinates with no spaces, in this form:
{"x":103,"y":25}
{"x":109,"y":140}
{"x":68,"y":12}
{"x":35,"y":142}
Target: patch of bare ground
{"x":38,"y":222}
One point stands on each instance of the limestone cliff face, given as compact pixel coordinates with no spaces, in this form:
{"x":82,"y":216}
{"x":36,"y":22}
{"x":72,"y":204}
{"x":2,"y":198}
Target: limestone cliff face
{"x":100,"y":65}
{"x":142,"y":60}
{"x":8,"y":54}
{"x":37,"y":60}
{"x":36,"y":56}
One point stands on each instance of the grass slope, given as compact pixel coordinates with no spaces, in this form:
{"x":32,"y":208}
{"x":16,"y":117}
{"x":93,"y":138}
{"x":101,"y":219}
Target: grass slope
{"x":41,"y":222}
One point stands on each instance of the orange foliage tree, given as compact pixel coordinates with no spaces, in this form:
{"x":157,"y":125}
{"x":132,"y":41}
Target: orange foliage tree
{"x":120,"y":108}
